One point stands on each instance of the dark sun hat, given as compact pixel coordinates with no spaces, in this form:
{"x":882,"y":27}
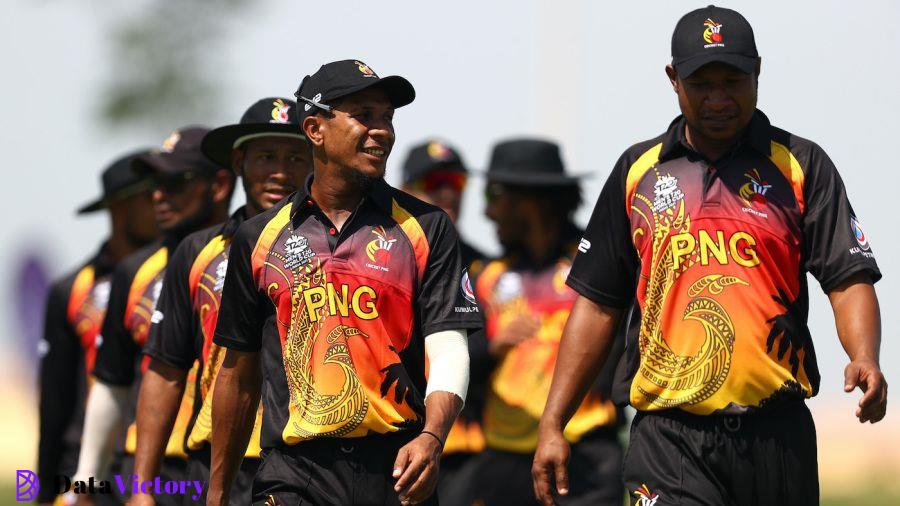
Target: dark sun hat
{"x":268,"y":117}
{"x":529,"y":162}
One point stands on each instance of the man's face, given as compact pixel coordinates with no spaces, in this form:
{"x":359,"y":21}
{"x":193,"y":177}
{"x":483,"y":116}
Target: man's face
{"x":717,"y":100}
{"x":507,"y":210}
{"x":443,"y":188}
{"x":181,"y":198}
{"x":138,"y":215}
{"x":271,"y":168}
{"x":360,"y":133}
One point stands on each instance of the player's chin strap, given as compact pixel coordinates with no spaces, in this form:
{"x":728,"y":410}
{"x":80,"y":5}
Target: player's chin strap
{"x":102,"y":421}
{"x":448,"y":362}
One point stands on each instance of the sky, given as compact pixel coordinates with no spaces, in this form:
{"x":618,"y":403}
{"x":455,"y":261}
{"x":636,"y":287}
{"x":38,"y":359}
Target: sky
{"x":588,"y":75}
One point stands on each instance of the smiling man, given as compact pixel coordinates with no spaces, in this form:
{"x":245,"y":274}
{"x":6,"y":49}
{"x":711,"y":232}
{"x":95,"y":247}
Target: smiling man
{"x":709,"y":230}
{"x":338,"y":294}
{"x":271,"y":157}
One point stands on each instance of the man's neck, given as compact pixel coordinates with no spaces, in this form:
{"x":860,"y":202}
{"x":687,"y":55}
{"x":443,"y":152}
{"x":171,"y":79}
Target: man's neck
{"x":119,"y":246}
{"x":711,"y":149}
{"x":336,"y":194}
{"x":541,"y":241}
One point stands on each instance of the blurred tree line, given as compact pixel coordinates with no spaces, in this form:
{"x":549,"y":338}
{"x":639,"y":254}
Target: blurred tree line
{"x":161,"y":62}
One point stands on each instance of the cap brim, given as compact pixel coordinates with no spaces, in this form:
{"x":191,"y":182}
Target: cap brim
{"x":218,"y":144}
{"x":746,"y":64}
{"x":93,"y":206}
{"x":525,"y":179}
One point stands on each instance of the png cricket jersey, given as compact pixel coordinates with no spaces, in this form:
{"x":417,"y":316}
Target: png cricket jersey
{"x":136,"y":285}
{"x":188,"y":309}
{"x":716,"y":254}
{"x":350,"y":310}
{"x":75,"y":310}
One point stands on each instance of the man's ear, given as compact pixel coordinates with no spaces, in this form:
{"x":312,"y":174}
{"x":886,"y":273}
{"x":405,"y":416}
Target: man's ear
{"x":222,"y":186}
{"x":237,"y":161}
{"x":312,"y":128}
{"x":673,"y":77}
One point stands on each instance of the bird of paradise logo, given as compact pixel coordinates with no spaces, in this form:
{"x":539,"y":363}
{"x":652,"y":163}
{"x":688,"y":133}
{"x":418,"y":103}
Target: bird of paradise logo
{"x":279,"y":112}
{"x":645,"y":497}
{"x":378,"y":250}
{"x":713,"y":32}
{"x":754,"y":191}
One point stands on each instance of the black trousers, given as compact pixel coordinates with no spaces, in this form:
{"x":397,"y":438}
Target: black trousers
{"x":332,"y":471}
{"x":595,"y":474}
{"x":765,"y":458}
{"x":241,"y":489}
{"x":458,"y":472}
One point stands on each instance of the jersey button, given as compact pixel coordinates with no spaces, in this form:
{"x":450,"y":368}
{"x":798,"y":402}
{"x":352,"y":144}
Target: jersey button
{"x":332,"y":230}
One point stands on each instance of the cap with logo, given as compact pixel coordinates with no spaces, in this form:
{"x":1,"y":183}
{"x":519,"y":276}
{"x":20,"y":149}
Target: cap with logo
{"x":431,"y":156}
{"x":180,"y":153}
{"x":713,"y":34}
{"x":529,"y":162}
{"x":119,"y":180}
{"x":268,"y":117}
{"x":341,"y":78}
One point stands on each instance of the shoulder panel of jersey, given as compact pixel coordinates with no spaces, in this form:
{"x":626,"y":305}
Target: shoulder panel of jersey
{"x":638,"y":159}
{"x":143,"y":277}
{"x":272,"y":221}
{"x":486,"y":281}
{"x":784,"y":147}
{"x":211,"y":247}
{"x":81,"y":290}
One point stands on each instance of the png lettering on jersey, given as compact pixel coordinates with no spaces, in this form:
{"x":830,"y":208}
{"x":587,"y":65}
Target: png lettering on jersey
{"x":667,"y":193}
{"x":297,"y":252}
{"x":339,"y":300}
{"x":739,"y":247}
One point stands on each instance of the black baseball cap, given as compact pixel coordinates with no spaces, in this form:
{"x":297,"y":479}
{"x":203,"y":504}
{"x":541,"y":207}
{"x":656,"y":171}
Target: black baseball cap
{"x":268,"y":117}
{"x":180,"y":153}
{"x":341,"y":78}
{"x":119,"y":181}
{"x":428,"y":157}
{"x":713,"y":34}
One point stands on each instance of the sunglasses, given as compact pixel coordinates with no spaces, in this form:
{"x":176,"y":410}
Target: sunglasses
{"x":439,"y":179}
{"x":173,"y":183}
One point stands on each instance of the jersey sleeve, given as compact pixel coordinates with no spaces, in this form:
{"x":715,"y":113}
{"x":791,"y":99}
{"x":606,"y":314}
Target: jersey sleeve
{"x":446,"y":300}
{"x":117,"y":350}
{"x":606,"y":265}
{"x":243,"y":309}
{"x":172,"y":338}
{"x":835,"y":247}
{"x":58,"y":385}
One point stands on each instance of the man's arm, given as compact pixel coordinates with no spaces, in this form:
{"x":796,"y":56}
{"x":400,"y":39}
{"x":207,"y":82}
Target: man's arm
{"x":858,"y":321}
{"x":235,"y":402}
{"x":585,"y":344}
{"x":161,"y":390}
{"x":416,"y":465}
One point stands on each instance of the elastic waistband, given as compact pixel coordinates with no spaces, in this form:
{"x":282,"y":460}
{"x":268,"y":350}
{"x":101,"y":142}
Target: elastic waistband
{"x":349,"y":445}
{"x":731,"y":421}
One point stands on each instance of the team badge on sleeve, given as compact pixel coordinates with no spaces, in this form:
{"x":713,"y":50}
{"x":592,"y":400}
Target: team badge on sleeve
{"x":858,"y":233}
{"x":465,"y":285}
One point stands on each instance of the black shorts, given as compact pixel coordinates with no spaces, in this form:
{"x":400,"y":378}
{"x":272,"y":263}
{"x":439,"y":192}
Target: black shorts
{"x":765,"y":458}
{"x":241,"y":489}
{"x":330,"y":471}
{"x":595,"y":474}
{"x":458,"y":473}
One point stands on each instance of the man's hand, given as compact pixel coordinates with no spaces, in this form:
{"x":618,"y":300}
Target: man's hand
{"x":416,"y":469}
{"x":550,"y":465}
{"x":866,"y":375}
{"x":521,"y":328}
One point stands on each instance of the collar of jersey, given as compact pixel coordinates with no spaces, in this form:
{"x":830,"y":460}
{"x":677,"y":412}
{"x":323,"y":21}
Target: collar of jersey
{"x":379,"y":193}
{"x":758,"y":136}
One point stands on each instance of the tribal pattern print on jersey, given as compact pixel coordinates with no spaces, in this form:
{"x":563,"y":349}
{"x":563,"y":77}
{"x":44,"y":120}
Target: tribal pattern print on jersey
{"x":721,"y":252}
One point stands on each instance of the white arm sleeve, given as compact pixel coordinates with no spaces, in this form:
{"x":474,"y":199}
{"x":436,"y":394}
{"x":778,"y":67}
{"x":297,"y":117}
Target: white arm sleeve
{"x":102,"y":422}
{"x":448,"y":359}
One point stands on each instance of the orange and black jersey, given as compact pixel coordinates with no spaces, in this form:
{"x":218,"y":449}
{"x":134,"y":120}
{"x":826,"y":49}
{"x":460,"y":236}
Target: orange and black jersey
{"x":75,"y":309}
{"x":510,"y":288}
{"x":135,"y":289}
{"x":350,"y":307}
{"x":716,"y":256}
{"x":187,"y":312}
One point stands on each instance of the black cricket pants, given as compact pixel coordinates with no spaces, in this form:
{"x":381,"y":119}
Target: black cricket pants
{"x":241,"y":489}
{"x":762,"y":458}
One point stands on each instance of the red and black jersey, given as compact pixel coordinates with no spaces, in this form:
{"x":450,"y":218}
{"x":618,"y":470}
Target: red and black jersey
{"x":75,"y":309}
{"x":187,"y":312}
{"x":716,"y":256}
{"x":519,"y":384}
{"x":135,"y":289}
{"x":351,"y":309}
